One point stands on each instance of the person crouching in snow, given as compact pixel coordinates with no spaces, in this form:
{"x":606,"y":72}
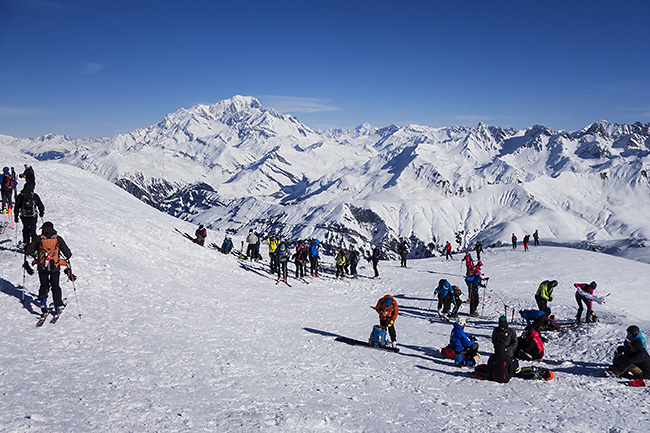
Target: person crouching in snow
{"x":201,"y":233}
{"x":464,"y":345}
{"x":387,"y":309}
{"x":530,"y":345}
{"x":581,"y":299}
{"x":632,"y":359}
{"x":544,"y":295}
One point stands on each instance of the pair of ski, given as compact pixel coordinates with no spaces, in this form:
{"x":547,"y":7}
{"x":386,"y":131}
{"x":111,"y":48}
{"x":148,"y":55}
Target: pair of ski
{"x":51,"y":312}
{"x":282,"y":281}
{"x":354,"y":342}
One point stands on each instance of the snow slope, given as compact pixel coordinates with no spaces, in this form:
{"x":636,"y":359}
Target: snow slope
{"x":175,"y":337}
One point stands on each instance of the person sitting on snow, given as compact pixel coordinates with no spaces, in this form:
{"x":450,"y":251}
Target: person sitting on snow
{"x":504,"y":338}
{"x":632,"y":357}
{"x":388,"y":310}
{"x":530,"y":345}
{"x":465,"y":346}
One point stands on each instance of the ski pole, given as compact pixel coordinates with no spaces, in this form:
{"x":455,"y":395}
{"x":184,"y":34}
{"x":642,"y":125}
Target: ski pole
{"x":23,"y":287}
{"x":72,"y":278}
{"x":429,"y":309}
{"x":487,"y":280}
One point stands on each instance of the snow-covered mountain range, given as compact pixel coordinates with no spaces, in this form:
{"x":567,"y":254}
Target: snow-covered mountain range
{"x":236,"y":165}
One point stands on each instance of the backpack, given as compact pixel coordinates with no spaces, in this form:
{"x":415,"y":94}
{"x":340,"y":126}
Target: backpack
{"x":29,"y":206}
{"x":448,"y":352}
{"x":7,"y":181}
{"x":48,"y":253}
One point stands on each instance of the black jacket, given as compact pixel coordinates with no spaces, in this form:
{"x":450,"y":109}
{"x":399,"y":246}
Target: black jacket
{"x":504,"y":340}
{"x":19,"y":204}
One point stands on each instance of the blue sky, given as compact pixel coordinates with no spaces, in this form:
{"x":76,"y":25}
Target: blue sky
{"x":99,"y":68}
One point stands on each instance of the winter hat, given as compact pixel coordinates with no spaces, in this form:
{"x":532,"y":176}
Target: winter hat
{"x":553,"y":283}
{"x":461,"y":321}
{"x":633,"y":330}
{"x":388,"y":302}
{"x":593,"y":285}
{"x":503,"y":322}
{"x":48,"y":228}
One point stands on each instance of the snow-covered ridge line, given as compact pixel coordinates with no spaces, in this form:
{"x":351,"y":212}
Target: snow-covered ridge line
{"x":235,"y":165}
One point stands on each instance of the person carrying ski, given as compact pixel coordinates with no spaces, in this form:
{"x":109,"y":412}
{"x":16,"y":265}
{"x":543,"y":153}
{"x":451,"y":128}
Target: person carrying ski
{"x":273,"y":258}
{"x":526,"y":240}
{"x":464,"y":345}
{"x":200,"y":234}
{"x":544,"y":295}
{"x":582,"y":299}
{"x":479,"y":249}
{"x":7,"y":186}
{"x":514,"y":241}
{"x":282,"y":253}
{"x":340,"y":264}
{"x":376,"y":255}
{"x":632,"y":357}
{"x":402,"y":250}
{"x":474,"y":282}
{"x":504,"y":338}
{"x":53,"y":253}
{"x":313,"y":257}
{"x":447,"y":251}
{"x":388,"y":310}
{"x":29,"y":206}
{"x":354,"y":261}
{"x":30,"y":178}
{"x":530,"y":345}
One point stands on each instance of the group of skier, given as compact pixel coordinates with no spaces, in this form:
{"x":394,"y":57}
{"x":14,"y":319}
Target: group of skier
{"x":526,"y":240}
{"x":48,"y":250}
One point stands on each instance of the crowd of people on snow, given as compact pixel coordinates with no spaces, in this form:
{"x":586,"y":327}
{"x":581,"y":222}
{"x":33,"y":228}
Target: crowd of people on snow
{"x":48,"y":251}
{"x":631,"y":358}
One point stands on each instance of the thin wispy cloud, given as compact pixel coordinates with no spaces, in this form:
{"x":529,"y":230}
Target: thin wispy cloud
{"x":92,"y":68}
{"x":298,"y":104}
{"x":19,"y":112}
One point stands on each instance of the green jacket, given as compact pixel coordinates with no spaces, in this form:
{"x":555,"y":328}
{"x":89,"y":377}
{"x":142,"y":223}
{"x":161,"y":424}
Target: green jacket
{"x":545,"y":290}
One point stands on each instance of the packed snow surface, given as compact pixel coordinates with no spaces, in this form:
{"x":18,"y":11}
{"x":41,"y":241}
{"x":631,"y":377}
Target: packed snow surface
{"x":169,"y":336}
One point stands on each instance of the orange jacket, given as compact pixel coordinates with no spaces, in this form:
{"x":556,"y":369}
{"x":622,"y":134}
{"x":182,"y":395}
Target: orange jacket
{"x":387,"y":313}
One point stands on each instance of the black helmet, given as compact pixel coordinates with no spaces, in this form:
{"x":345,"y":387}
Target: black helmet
{"x":593,"y":285}
{"x":6,"y":169}
{"x":633,"y":330}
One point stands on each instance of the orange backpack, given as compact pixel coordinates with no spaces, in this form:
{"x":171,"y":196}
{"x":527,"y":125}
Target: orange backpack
{"x":48,"y":253}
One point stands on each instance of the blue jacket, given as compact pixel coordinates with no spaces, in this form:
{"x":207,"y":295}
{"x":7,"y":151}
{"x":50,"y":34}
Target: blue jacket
{"x":458,"y":339}
{"x":474,"y":281}
{"x":639,"y":337}
{"x":313,"y":249}
{"x":443,"y":289}
{"x":531,"y":315}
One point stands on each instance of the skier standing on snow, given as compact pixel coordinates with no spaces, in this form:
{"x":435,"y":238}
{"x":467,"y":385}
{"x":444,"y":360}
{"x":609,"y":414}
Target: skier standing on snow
{"x":30,"y":178}
{"x":200,"y":234}
{"x":253,"y":242}
{"x":52,"y":253}
{"x":544,"y":295}
{"x":29,"y":206}
{"x":376,"y":254}
{"x":632,"y":357}
{"x":273,"y":258}
{"x":388,"y":310}
{"x":354,"y":260}
{"x":536,"y":238}
{"x":581,"y":299}
{"x":8,"y":185}
{"x":474,"y":282}
{"x":447,"y":251}
{"x":313,"y":257}
{"x":526,"y":240}
{"x":282,"y":253}
{"x":469,"y":264}
{"x":479,"y":249}
{"x":300,"y":260}
{"x":514,"y":242}
{"x":402,"y":249}
{"x":340,"y":263}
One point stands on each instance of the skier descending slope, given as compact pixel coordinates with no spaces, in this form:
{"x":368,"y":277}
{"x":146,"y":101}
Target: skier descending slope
{"x":51,"y":250}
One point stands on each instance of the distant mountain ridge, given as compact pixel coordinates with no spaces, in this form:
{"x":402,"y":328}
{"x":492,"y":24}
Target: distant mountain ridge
{"x":236,"y":165}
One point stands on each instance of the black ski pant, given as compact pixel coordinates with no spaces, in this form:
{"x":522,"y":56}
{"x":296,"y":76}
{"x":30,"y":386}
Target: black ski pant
{"x":50,"y":281}
{"x":313,"y":261}
{"x":580,"y":300}
{"x":403,"y":259}
{"x":282,"y":271}
{"x":340,"y":271}
{"x":353,"y":269}
{"x":374,"y":267}
{"x":300,"y":269}
{"x":6,"y":199}
{"x":473,"y":301}
{"x":274,"y":262}
{"x":391,"y":329}
{"x":542,"y":305}
{"x":29,"y":229}
{"x":471,"y":351}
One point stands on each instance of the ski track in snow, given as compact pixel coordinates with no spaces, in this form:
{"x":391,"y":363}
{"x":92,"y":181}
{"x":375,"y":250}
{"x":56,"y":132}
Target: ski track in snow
{"x":175,"y":337}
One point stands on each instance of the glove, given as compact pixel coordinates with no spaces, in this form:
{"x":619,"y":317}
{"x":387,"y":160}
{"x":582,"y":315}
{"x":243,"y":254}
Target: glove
{"x":550,"y":299}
